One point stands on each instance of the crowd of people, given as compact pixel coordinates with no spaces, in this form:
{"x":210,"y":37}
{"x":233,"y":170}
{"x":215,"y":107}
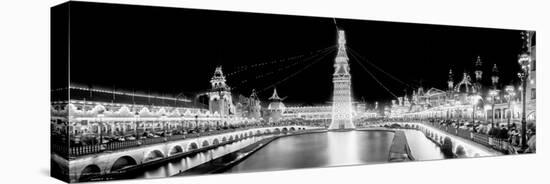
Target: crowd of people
{"x":511,"y":134}
{"x":92,"y":139}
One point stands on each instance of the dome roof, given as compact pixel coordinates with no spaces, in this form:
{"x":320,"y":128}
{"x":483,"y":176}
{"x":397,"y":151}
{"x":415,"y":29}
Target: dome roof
{"x":276,"y":105}
{"x":465,"y":85}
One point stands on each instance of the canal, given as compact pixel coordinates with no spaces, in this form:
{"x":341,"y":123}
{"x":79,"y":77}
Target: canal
{"x":308,"y":151}
{"x":334,"y":149}
{"x":320,"y":150}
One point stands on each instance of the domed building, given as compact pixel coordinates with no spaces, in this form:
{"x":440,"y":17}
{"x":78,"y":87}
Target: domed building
{"x":464,"y":89}
{"x":276,"y":107}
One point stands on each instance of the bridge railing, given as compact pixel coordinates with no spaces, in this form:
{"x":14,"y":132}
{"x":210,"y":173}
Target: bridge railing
{"x":498,"y":144}
{"x":75,"y":151}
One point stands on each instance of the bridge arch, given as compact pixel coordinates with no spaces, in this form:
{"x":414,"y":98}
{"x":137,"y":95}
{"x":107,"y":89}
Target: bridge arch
{"x":258,"y":132}
{"x":175,"y":150}
{"x":122,"y":163}
{"x":292,"y":129}
{"x":277,"y":131}
{"x":224,"y":139}
{"x":267,"y":131}
{"x":231,"y":138}
{"x":153,"y":155}
{"x":205,"y":143}
{"x":192,"y":146}
{"x":216,"y":141}
{"x":285,"y":130}
{"x":250,"y":134}
{"x":89,"y":172}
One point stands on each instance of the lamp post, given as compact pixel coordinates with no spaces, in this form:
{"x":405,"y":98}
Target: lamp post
{"x":524,"y":61}
{"x":100,"y":117}
{"x":510,"y":93}
{"x":493,"y":93}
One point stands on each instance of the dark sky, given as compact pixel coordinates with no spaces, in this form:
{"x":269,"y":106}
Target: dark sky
{"x":174,"y":50}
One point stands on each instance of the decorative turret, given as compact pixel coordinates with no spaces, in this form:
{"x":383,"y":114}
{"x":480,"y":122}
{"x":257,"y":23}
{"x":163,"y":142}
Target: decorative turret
{"x":275,"y":96}
{"x":341,"y":62}
{"x":218,"y":80}
{"x":450,"y":83}
{"x":254,"y":108}
{"x":478,"y":66}
{"x":494,"y":78}
{"x":276,"y":108}
{"x":465,"y":85}
{"x":220,"y":94}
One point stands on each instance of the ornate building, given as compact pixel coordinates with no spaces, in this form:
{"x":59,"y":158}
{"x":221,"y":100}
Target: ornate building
{"x":342,"y":103}
{"x":276,"y":108}
{"x":469,"y":99}
{"x":220,"y":99}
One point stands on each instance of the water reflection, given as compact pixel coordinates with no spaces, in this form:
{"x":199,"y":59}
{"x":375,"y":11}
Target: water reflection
{"x":421,"y":147}
{"x":320,"y":150}
{"x":175,"y":166}
{"x":306,"y":151}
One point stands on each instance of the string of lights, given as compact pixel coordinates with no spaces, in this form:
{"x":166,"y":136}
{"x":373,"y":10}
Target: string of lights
{"x":378,"y":68}
{"x":281,"y":69}
{"x":245,"y":68}
{"x":298,"y":72}
{"x":376,"y":79}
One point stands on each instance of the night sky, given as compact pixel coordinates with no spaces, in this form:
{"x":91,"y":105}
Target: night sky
{"x":173,"y":50}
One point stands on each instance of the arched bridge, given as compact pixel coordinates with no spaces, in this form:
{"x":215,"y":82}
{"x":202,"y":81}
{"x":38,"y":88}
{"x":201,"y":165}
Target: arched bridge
{"x":460,"y":146}
{"x":113,"y":161}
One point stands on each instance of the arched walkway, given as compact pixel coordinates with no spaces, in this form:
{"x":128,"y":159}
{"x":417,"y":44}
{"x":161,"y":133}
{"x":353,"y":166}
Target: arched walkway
{"x":192,"y":146}
{"x":89,"y":172}
{"x":215,"y":142}
{"x":123,"y":162}
{"x":153,"y":155}
{"x":175,"y":150}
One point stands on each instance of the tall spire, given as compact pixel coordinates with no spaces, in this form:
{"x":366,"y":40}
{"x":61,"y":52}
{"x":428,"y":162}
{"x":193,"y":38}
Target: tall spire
{"x":341,"y":106}
{"x":478,"y":69}
{"x":450,"y":81}
{"x":218,"y":80}
{"x":341,"y":62}
{"x":253,"y":94}
{"x":275,"y":96}
{"x":494,"y":78}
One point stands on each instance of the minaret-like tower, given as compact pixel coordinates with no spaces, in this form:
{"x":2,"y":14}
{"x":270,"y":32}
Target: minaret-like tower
{"x":494,"y":78}
{"x":254,"y":108}
{"x":341,"y":101}
{"x":479,"y":71}
{"x":479,"y":76}
{"x":276,"y":107}
{"x":450,"y":83}
{"x":220,"y":94}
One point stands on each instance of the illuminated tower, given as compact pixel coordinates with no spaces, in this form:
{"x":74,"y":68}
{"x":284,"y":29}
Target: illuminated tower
{"x":479,"y":75}
{"x":276,"y":108}
{"x":450,"y":83}
{"x":220,"y":95}
{"x":254,"y":106}
{"x":494,"y":78}
{"x":478,"y":72}
{"x":341,"y":102}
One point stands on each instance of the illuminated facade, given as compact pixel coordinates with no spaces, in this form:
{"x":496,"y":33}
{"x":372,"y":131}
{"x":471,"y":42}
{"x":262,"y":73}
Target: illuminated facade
{"x":276,"y":108}
{"x":342,"y":103}
{"x":220,"y":99}
{"x":470,"y":99}
{"x":94,"y":112}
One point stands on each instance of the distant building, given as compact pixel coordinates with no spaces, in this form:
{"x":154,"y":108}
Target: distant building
{"x":220,"y":99}
{"x":276,"y":108}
